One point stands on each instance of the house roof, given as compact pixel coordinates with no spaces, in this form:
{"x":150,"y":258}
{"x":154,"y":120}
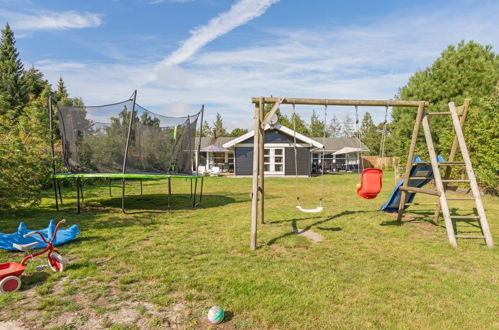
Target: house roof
{"x":336,"y":143}
{"x":331,"y":144}
{"x":278,"y":127}
{"x":207,"y":141}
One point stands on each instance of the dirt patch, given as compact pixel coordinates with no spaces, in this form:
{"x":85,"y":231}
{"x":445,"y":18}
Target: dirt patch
{"x":11,"y":325}
{"x":277,"y":248}
{"x":309,"y":234}
{"x":89,"y":310}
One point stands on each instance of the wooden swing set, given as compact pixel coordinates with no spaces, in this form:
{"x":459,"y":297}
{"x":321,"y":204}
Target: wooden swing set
{"x":372,"y":177}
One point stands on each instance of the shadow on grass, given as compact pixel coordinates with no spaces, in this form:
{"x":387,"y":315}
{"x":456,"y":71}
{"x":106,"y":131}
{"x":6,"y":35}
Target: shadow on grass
{"x":32,"y":279}
{"x":228,"y":316}
{"x":296,"y":231}
{"x":153,"y":202}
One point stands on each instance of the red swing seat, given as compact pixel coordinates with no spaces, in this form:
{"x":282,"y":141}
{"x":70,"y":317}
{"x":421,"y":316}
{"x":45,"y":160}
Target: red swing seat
{"x":370,"y":183}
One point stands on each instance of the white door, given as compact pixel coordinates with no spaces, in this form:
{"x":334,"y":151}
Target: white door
{"x":274,"y":161}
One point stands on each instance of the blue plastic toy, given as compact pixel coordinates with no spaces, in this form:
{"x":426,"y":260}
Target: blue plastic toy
{"x":63,"y":236}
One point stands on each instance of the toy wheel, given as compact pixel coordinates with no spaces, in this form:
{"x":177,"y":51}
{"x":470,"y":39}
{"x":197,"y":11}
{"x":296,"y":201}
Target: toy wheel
{"x":10,"y":284}
{"x":57,"y":263}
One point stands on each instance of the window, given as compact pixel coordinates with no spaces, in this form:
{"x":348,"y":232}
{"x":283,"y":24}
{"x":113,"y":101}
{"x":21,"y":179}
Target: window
{"x":273,"y":160}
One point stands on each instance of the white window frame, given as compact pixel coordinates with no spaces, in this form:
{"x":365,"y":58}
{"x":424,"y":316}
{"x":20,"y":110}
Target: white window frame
{"x":272,"y":161}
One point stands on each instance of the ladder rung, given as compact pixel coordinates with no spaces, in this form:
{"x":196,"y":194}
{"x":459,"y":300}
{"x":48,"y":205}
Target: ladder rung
{"x":470,"y":236}
{"x":451,"y":163}
{"x":464,"y":217}
{"x":438,"y":113}
{"x":441,"y":163}
{"x":421,"y":178}
{"x":408,"y":204}
{"x":460,"y":199}
{"x":455,"y":180}
{"x":420,"y":190}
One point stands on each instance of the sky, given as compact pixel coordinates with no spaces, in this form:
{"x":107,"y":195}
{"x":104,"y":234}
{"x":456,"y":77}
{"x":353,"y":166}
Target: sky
{"x":180,"y":54}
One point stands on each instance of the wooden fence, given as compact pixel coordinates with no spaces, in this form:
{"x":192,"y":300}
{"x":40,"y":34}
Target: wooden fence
{"x":387,"y":163}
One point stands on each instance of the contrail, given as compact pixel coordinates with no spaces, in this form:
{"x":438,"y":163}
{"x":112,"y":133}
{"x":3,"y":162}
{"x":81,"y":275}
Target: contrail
{"x":239,"y":14}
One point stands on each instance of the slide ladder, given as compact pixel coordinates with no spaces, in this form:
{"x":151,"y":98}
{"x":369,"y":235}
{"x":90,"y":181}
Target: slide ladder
{"x":441,"y":183}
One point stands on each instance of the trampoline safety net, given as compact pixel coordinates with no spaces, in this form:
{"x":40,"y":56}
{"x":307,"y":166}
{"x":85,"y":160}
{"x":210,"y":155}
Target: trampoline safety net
{"x":94,"y":140}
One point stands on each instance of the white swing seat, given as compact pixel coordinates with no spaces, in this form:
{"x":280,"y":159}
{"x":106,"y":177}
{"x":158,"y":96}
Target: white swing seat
{"x":316,"y":210}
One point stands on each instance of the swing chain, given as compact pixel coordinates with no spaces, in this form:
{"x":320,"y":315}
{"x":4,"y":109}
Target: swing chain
{"x":383,"y":139}
{"x":296,"y":157}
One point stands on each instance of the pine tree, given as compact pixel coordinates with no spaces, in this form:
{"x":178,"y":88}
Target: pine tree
{"x":347,"y":126}
{"x":61,"y":91}
{"x":35,"y":83}
{"x":370,"y":135}
{"x":236,"y":132}
{"x":316,"y":128}
{"x":334,"y":127}
{"x":12,"y":84}
{"x":218,"y":127}
{"x":299,"y":124}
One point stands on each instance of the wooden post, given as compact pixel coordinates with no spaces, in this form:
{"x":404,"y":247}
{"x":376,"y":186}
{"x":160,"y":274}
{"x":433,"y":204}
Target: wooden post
{"x":415,"y":132}
{"x":261,"y":147}
{"x":471,"y":176}
{"x":438,"y":182}
{"x":254,"y":194}
{"x":452,"y":155}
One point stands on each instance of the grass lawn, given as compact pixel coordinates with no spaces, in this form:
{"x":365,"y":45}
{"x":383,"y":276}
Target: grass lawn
{"x":166,"y":270}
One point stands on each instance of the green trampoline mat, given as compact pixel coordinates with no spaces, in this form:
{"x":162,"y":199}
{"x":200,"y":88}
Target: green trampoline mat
{"x":122,"y":176}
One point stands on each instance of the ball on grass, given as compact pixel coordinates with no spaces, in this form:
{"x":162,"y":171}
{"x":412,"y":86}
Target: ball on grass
{"x":215,"y":315}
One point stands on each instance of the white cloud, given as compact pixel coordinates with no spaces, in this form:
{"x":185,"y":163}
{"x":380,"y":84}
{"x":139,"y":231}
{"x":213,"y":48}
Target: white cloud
{"x":51,"y":20}
{"x":239,"y":14}
{"x":368,"y":61}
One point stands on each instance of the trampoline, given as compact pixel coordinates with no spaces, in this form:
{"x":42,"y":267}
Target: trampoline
{"x":123,"y":141}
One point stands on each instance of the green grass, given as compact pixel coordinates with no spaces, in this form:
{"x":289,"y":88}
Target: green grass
{"x":170,"y":268}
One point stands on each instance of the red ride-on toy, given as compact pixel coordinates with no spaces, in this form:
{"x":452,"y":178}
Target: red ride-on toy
{"x":10,"y":272}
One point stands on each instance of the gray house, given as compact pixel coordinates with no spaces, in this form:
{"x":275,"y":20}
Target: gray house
{"x":235,"y":155}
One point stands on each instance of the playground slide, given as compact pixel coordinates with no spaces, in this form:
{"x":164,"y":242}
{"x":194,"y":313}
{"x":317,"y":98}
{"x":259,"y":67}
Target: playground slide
{"x":63,"y":236}
{"x":392,"y":205}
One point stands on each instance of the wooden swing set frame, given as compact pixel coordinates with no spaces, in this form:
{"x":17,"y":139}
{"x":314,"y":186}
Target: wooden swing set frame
{"x":260,"y":121}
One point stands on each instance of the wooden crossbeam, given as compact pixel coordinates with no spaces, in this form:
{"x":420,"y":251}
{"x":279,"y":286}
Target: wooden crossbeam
{"x":372,"y":103}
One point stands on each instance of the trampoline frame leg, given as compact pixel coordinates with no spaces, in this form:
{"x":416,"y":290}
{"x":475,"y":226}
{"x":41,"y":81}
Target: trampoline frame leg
{"x":201,"y":192}
{"x":81,"y":190}
{"x":59,"y":188}
{"x":169,"y":191}
{"x":56,"y":197}
{"x":78,"y":194}
{"x":195,"y":191}
{"x":123,"y":196}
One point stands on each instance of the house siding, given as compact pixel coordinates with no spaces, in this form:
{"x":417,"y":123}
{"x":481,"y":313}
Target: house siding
{"x":244,"y":155}
{"x":303,"y":157}
{"x":243,"y":161}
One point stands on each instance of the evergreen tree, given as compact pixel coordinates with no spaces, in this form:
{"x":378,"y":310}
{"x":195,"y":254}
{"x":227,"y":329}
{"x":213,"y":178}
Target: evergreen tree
{"x":334,"y":127}
{"x":468,"y":70}
{"x":206,"y":130}
{"x":298,"y":123}
{"x":316,"y":128}
{"x":370,"y":135}
{"x":61,"y":92}
{"x":347,"y":126}
{"x":35,"y":83}
{"x":238,"y":132}
{"x":218,"y":127}
{"x":12,"y":86}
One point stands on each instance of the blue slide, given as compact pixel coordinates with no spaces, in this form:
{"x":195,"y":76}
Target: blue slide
{"x":392,"y":205}
{"x":64,"y":235}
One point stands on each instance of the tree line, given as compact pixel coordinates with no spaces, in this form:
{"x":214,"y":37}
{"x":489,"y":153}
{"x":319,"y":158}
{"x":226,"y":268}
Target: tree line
{"x":466,"y":70}
{"x":25,"y":162}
